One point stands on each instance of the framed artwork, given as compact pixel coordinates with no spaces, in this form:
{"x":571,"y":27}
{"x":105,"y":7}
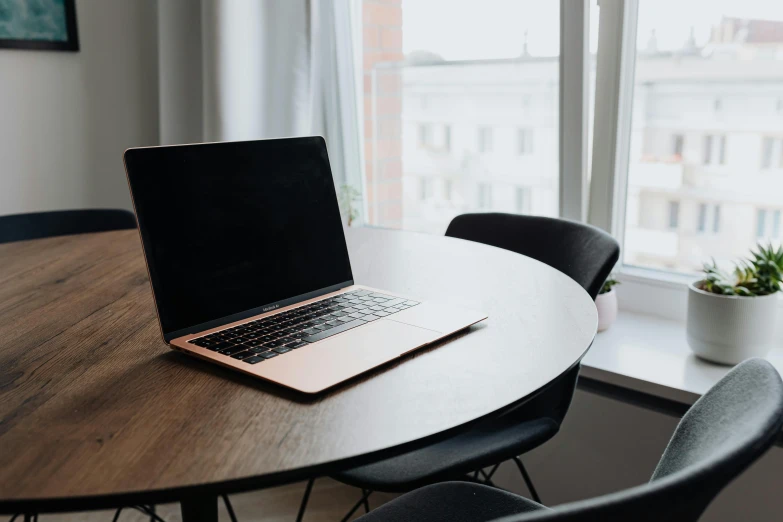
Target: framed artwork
{"x":48,"y":25}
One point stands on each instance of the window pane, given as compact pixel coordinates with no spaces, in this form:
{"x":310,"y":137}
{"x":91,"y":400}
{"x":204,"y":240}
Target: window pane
{"x":465,"y":92}
{"x":702,"y":218}
{"x":706,"y":121}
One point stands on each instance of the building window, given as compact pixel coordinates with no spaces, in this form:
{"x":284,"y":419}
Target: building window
{"x":485,"y":140}
{"x":524,"y":142}
{"x":702,"y":222}
{"x":425,"y":135}
{"x":674,"y":214}
{"x":522,"y":200}
{"x":484,"y":195}
{"x":771,"y":152}
{"x":716,"y":219}
{"x":678,"y":143}
{"x":708,"y":214}
{"x":447,"y":138}
{"x":714,"y":150}
{"x":425,"y":188}
{"x":767,"y":224}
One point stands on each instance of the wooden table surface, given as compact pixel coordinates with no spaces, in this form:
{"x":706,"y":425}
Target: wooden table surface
{"x":96,"y":411}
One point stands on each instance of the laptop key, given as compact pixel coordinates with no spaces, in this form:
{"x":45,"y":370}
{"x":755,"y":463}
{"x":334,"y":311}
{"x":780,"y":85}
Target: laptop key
{"x":260,"y":349}
{"x":268,"y":355}
{"x":242,"y":355}
{"x":381,"y":314}
{"x":273,"y":344}
{"x":282,"y":349}
{"x":345,"y":319}
{"x":220,"y":346}
{"x":334,"y":331}
{"x":297,"y":344}
{"x":253,"y":360}
{"x":357,"y":315}
{"x":311,"y":331}
{"x":371,"y":317}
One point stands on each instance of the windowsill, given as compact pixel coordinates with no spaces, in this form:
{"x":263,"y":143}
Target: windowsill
{"x":650,"y":355}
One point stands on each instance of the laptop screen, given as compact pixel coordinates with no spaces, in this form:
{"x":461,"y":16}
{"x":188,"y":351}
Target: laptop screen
{"x":235,"y":227}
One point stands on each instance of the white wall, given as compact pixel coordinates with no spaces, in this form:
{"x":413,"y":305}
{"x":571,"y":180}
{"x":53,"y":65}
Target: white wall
{"x":66,"y":118}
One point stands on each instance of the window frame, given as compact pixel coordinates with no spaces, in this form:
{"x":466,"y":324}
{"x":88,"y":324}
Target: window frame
{"x":573,"y":105}
{"x":644,"y":290}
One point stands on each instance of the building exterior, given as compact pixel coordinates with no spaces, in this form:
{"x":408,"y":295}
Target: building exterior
{"x":706,"y":168}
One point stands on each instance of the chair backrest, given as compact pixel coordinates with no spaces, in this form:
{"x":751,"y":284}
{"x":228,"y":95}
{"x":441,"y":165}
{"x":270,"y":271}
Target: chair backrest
{"x":36,"y":225}
{"x":584,"y":253}
{"x":722,"y":434}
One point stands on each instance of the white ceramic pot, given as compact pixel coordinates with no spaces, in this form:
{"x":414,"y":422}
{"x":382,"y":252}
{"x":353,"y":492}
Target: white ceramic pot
{"x":728,"y":329}
{"x":607,"y":309}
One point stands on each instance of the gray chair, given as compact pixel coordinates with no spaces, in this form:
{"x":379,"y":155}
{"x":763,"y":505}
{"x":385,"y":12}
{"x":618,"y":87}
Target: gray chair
{"x":582,"y":252}
{"x":37,"y":225}
{"x":722,"y":434}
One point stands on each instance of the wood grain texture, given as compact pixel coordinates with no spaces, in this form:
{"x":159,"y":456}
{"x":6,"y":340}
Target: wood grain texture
{"x":95,"y":408}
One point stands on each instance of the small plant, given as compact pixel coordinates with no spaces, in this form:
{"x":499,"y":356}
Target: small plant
{"x":348,"y":197}
{"x":760,"y":274}
{"x":608,"y":284}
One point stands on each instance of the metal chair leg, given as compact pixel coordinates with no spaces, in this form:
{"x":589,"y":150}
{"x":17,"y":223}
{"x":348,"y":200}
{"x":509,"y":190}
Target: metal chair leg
{"x":528,"y":482}
{"x":305,"y":498}
{"x":365,"y":495}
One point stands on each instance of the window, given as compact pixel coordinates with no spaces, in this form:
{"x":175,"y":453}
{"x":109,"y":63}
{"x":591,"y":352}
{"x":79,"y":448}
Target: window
{"x":484,"y":196}
{"x":771,"y":152}
{"x":427,"y":93}
{"x":678,"y":142}
{"x":714,"y":149}
{"x":425,"y":188}
{"x":674,"y":214}
{"x":425,"y":135}
{"x":666,"y":212}
{"x":522,"y":200}
{"x":708,"y":213}
{"x":524,"y":142}
{"x":447,"y":138}
{"x":484,"y":140}
{"x":767,"y":224}
{"x":702,"y":224}
{"x":716,"y":219}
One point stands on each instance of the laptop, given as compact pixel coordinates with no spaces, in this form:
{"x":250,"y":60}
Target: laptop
{"x":246,"y":253}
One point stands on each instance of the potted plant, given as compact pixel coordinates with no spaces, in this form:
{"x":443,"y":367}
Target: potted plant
{"x":606,"y":303}
{"x":732,"y":314}
{"x":347,"y":200}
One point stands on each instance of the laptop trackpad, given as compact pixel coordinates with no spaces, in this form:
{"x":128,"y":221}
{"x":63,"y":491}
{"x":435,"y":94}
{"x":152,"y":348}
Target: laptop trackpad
{"x":335,"y":359}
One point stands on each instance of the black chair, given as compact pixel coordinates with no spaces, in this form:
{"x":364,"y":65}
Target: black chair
{"x":584,"y":253}
{"x":730,"y":427}
{"x":37,"y":225}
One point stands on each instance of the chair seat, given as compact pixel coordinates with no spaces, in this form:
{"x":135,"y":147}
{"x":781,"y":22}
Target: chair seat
{"x":482,"y":446}
{"x":452,"y":502}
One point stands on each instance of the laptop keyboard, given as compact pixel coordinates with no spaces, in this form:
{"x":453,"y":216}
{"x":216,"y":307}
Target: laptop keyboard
{"x":263,"y":339}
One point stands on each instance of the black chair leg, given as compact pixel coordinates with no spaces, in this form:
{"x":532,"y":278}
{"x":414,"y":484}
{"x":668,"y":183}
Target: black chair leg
{"x":366,"y":494}
{"x":305,"y":498}
{"x":229,"y":508}
{"x":528,"y":482}
{"x":362,"y":501}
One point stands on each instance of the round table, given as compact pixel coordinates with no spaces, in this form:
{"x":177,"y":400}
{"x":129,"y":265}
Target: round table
{"x":97,"y":412}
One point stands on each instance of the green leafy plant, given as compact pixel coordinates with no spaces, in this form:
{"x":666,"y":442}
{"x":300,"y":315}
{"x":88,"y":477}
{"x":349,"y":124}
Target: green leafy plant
{"x":349,"y":196}
{"x":760,"y":274}
{"x":608,"y":284}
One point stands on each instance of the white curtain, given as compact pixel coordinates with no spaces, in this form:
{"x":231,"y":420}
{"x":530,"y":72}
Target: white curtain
{"x":254,"y":69}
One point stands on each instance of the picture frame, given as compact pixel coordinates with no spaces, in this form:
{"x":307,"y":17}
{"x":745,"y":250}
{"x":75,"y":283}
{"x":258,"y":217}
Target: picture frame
{"x":50,"y":27}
